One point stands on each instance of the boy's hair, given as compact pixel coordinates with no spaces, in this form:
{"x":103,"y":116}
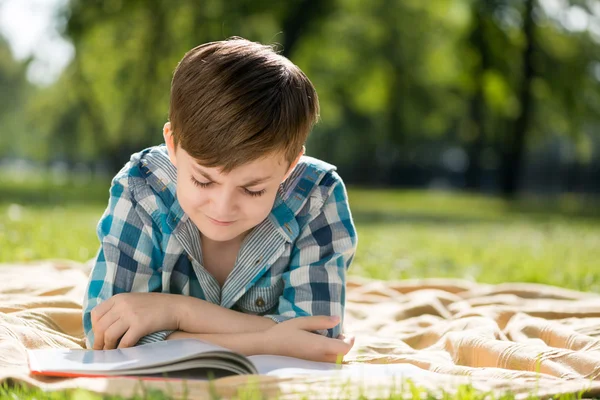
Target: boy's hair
{"x":235,"y":101}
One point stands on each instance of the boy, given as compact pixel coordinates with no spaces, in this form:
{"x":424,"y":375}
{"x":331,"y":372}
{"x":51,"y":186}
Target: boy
{"x":227,"y":232}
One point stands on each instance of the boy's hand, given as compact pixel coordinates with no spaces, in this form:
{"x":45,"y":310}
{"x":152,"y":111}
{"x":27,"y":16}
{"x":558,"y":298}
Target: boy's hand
{"x":294,"y":338}
{"x":130,"y":316}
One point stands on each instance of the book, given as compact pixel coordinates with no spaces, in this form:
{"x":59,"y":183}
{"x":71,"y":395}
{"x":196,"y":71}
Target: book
{"x":191,"y":359}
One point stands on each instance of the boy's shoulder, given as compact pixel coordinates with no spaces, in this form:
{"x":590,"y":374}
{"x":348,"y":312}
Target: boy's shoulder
{"x":149,"y":174}
{"x":312,"y":179}
{"x":309,"y":172}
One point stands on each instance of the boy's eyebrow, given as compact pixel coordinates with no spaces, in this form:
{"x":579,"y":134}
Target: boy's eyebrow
{"x":251,"y":182}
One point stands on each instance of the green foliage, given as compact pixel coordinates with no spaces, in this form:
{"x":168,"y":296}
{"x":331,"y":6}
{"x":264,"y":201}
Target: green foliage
{"x":14,"y":90}
{"x":390,"y":74}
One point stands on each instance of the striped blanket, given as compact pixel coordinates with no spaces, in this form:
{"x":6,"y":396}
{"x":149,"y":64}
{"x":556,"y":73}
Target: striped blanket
{"x":514,"y":337}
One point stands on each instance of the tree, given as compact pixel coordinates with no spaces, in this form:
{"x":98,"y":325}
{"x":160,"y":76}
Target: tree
{"x":15,"y":91}
{"x":514,"y":149}
{"x":126,"y":52}
{"x":399,"y":82}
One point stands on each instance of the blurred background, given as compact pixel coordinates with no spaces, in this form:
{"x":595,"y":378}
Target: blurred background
{"x":466,"y":130}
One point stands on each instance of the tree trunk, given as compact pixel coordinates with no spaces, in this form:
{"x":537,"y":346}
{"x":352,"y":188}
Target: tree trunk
{"x":515,"y":144}
{"x":477,"y":125}
{"x":300,"y":19}
{"x":392,"y":51}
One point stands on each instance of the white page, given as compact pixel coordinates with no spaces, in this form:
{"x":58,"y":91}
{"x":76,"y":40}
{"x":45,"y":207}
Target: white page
{"x":267,"y":363}
{"x":287,"y":366}
{"x":147,"y":355}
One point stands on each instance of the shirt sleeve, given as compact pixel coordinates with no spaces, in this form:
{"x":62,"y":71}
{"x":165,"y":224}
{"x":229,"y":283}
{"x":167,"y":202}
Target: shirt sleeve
{"x":315,"y":283}
{"x":128,"y":258}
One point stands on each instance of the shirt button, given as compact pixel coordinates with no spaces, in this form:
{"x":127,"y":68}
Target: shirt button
{"x":259,"y":302}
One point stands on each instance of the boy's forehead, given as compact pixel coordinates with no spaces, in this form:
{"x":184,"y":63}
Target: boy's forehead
{"x":271,"y":162}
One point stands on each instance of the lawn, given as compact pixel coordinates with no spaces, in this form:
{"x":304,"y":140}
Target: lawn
{"x":402,"y":234}
{"x":417,"y":234}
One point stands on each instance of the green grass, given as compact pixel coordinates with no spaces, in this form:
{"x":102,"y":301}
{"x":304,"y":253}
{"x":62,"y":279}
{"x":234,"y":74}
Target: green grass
{"x":407,"y":390}
{"x":401,"y":235}
{"x":36,"y":232}
{"x":414,"y":234}
{"x":40,"y":220}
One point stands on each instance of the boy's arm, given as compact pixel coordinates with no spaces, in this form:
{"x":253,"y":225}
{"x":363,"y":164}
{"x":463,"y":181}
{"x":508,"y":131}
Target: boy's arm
{"x":200,"y":316}
{"x":126,"y":259}
{"x":247,"y":343}
{"x":293,"y":338}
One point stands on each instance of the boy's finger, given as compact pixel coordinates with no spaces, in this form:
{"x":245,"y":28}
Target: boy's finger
{"x":99,"y":327}
{"x":345,"y":338}
{"x":114,"y":333}
{"x":337,"y":347}
{"x":129,"y":339}
{"x":98,"y":338}
{"x":98,"y":341}
{"x":101,"y":309}
{"x":105,"y":321}
{"x":349,"y":340}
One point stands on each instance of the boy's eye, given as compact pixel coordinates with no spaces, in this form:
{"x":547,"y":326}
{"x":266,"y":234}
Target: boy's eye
{"x":254,"y":194}
{"x":248,"y":192}
{"x":200,"y":184}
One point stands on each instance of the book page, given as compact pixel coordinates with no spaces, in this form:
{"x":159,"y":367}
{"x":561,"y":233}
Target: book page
{"x":287,"y":367}
{"x":265,"y":364}
{"x":122,"y":360}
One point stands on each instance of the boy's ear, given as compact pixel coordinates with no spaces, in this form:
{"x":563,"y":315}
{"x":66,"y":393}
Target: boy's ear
{"x":171,"y":149}
{"x":296,"y":161}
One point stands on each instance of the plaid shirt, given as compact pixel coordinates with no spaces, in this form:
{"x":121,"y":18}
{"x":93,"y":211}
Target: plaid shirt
{"x":292,"y":264}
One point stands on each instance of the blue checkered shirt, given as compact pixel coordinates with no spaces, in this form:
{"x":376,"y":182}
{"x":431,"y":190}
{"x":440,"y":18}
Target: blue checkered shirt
{"x":292,"y":264}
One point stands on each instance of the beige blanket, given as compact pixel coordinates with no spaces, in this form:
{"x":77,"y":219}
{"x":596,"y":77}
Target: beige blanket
{"x":522,"y":338}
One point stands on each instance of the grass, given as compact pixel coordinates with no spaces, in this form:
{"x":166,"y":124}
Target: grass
{"x":401,"y":235}
{"x":407,"y":390}
{"x":36,"y":232}
{"x":414,"y":234}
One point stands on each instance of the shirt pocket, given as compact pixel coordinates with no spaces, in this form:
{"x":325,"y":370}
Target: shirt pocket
{"x":260,"y":300}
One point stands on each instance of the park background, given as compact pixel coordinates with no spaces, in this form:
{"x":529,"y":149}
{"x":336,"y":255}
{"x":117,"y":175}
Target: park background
{"x":467,"y":131}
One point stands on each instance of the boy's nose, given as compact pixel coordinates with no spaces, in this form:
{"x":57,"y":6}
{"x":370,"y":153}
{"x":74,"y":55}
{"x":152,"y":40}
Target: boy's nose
{"x":224,"y":207}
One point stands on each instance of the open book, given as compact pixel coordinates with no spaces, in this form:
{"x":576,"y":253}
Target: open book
{"x":190,"y":359}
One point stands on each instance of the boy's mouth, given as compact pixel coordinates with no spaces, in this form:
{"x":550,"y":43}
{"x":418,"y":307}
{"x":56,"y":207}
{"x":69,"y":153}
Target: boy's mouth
{"x":220,"y":223}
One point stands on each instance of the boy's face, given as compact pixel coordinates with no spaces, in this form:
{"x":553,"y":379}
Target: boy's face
{"x":225,"y":206}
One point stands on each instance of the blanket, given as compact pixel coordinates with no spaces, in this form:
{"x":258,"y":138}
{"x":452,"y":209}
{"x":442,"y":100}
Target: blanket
{"x":515,"y":337}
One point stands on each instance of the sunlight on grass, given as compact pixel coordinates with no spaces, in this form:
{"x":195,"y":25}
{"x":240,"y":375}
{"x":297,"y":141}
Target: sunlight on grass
{"x":414,"y":235}
{"x":33,"y":232}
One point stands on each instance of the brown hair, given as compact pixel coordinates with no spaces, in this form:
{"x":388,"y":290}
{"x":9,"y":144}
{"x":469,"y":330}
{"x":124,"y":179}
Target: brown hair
{"x":235,"y":101}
